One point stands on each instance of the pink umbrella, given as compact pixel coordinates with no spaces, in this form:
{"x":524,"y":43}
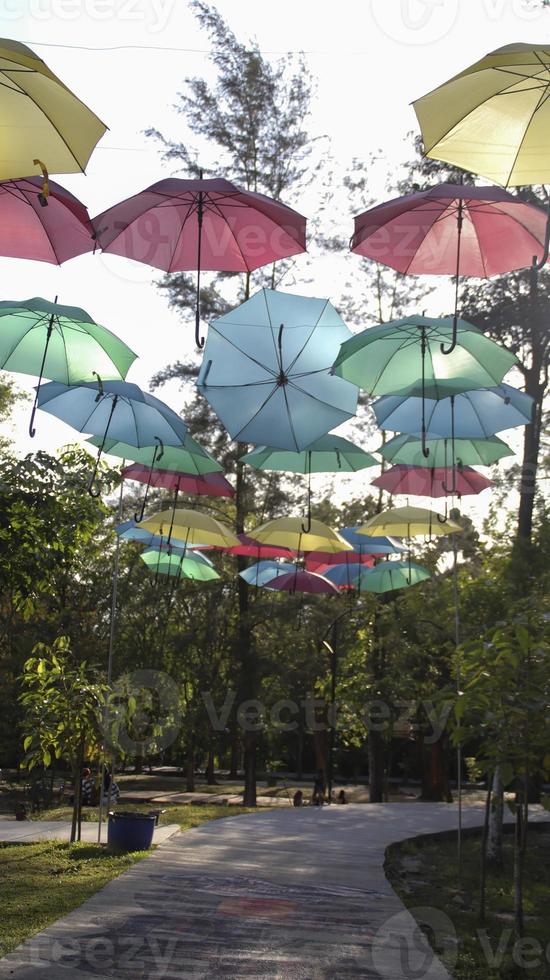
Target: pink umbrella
{"x":178,"y":225}
{"x":317,"y":561}
{"x":452,"y":229}
{"x":253,"y":549}
{"x":209,"y":484}
{"x":301,"y":581}
{"x":424,"y":481}
{"x":50,"y":228}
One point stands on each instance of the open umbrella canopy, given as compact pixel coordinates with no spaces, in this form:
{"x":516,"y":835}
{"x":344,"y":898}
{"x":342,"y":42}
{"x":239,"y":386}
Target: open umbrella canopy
{"x":178,"y":566}
{"x":470,"y":415}
{"x":427,"y":481}
{"x":389,"y":576}
{"x":190,"y":526}
{"x":410,"y":522}
{"x":130,"y":531}
{"x":316,"y":561}
{"x":493,"y":118}
{"x":389,"y":359}
{"x":113,"y":408}
{"x":187,"y":457}
{"x":52,"y":232}
{"x":250,"y":548}
{"x":266,"y":370}
{"x":367,"y":544}
{"x":419,"y":233}
{"x":265,"y":571}
{"x":59,"y":342}
{"x":40,"y":118}
{"x":301,"y":581}
{"x":472,"y":452}
{"x":288,"y":532}
{"x":209,"y":485}
{"x":161,"y":225}
{"x":343,"y":576}
{"x":328,"y":454}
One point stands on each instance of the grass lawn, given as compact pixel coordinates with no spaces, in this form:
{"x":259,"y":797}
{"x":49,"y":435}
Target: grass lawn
{"x":424,"y":874}
{"x":41,"y":882}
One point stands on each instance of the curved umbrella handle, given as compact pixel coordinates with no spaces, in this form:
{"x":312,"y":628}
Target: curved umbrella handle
{"x":450,"y":349}
{"x":45,"y":192}
{"x":156,"y":457}
{"x":90,"y":487}
{"x":425,"y":450}
{"x":32,"y":430}
{"x":307,"y":528}
{"x":540,"y":264}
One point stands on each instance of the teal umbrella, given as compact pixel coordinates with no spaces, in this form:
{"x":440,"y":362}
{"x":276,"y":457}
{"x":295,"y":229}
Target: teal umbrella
{"x":266,"y":370}
{"x":388,"y":576}
{"x":58,"y":342}
{"x":113,"y":408}
{"x":181,"y":562}
{"x":467,"y":452}
{"x":328,"y":454}
{"x":405,"y":357}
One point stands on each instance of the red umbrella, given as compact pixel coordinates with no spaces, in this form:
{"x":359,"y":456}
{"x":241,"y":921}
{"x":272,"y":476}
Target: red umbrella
{"x":452,"y":229}
{"x":317,"y":561}
{"x":424,"y":481}
{"x":253,"y":549}
{"x":209,"y":484}
{"x":178,"y":225}
{"x":48,"y":228}
{"x":302,"y":581}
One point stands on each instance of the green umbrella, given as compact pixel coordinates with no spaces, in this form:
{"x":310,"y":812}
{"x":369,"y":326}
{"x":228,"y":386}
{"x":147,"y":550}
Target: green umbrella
{"x":328,"y":454}
{"x":178,"y":566}
{"x":190,"y":457}
{"x":467,"y":452}
{"x":58,"y":342}
{"x":390,"y":575}
{"x":408,"y":355}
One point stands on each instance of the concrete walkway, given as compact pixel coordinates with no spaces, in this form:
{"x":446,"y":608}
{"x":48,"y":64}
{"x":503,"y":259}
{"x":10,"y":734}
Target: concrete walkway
{"x":25,"y":831}
{"x":278,"y":895}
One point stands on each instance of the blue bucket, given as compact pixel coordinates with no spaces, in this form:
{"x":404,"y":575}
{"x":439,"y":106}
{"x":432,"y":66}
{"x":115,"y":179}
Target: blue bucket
{"x":130,"y":831}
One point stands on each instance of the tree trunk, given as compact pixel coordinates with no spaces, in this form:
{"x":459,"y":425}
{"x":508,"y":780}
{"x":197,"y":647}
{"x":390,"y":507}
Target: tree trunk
{"x":435,"y":777}
{"x":235,"y":754}
{"x":377,"y":755}
{"x":210,"y":777}
{"x":535,"y":384}
{"x":483,"y":879}
{"x":246,"y":652}
{"x":496,"y":817}
{"x":190,"y":769}
{"x":518,"y":868}
{"x":300,"y":754}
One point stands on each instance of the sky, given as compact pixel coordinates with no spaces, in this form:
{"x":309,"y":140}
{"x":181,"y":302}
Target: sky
{"x":127,"y":60}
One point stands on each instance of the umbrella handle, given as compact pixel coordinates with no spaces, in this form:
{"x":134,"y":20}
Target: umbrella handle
{"x":307,"y":528}
{"x":90,"y":488}
{"x":544,"y":259}
{"x":199,"y":341}
{"x":450,"y":349}
{"x":91,"y":481}
{"x":45,"y":192}
{"x":156,"y":456}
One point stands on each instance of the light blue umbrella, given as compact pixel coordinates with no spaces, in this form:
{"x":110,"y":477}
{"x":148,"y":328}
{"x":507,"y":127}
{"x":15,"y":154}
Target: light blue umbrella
{"x":266,"y":370}
{"x":116,"y":409}
{"x":471,"y":415}
{"x":266,"y":571}
{"x":372,"y":545}
{"x":130,"y":531}
{"x":345,"y":576}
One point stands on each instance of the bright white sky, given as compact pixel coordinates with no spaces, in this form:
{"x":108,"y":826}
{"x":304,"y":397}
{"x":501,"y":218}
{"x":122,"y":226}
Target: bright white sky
{"x":370,"y":59}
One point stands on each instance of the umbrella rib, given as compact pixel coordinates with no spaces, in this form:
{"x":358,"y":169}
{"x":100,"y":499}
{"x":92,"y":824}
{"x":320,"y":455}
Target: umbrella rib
{"x":306,"y":342}
{"x":43,"y":318}
{"x":180,"y":233}
{"x":247,"y":354}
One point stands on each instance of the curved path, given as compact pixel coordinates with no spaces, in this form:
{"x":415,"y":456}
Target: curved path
{"x":277,"y":895}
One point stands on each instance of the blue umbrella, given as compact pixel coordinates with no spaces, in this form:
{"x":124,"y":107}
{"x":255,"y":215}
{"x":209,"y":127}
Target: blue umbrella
{"x":130,"y":531}
{"x":473,"y":414}
{"x":265,"y":571}
{"x":117,"y":409}
{"x":345,"y":576}
{"x":367,"y":545}
{"x":266,"y":370}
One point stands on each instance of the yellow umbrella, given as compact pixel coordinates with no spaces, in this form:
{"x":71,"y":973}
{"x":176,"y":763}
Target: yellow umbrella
{"x":287,"y":532}
{"x":409,"y":522}
{"x":191,"y":526}
{"x":494,"y":117}
{"x":40,"y":118}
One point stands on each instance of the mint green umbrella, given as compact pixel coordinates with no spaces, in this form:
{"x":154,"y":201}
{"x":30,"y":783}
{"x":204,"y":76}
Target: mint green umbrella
{"x":189,"y":457}
{"x":467,"y":452}
{"x":390,"y":575}
{"x":328,"y":454}
{"x":409,"y":356}
{"x":58,"y":342}
{"x":178,"y":566}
